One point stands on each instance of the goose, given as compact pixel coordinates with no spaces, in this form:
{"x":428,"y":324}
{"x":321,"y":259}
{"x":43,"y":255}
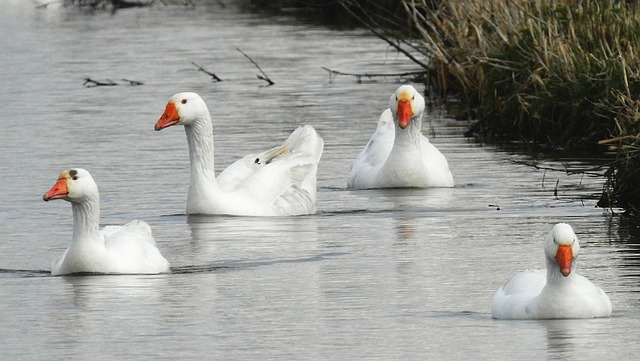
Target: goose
{"x":278,"y":182}
{"x":555,"y":292}
{"x":397,"y":154}
{"x":129,"y":249}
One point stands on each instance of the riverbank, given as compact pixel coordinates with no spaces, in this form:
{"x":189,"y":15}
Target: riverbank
{"x":564,"y":73}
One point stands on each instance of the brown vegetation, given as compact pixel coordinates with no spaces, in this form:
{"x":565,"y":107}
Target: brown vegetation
{"x":561,"y":72}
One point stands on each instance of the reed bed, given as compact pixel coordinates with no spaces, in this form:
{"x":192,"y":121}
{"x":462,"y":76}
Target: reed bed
{"x":562,"y":72}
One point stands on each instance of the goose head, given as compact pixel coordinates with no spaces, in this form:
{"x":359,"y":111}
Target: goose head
{"x":562,"y":247}
{"x":73,"y":185}
{"x":182,"y":109}
{"x":406,"y":104}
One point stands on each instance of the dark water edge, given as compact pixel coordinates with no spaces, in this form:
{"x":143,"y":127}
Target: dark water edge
{"x":332,"y":13}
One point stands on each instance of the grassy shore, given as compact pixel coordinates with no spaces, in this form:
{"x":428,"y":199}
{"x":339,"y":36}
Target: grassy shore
{"x":564,"y":72}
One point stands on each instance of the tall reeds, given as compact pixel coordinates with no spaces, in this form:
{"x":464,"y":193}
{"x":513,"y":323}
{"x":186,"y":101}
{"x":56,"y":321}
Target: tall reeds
{"x":534,"y":69}
{"x":565,"y":72}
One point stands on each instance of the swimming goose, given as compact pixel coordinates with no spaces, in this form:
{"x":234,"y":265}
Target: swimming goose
{"x":555,"y":292}
{"x":278,"y":182}
{"x":127,"y":249}
{"x":397,"y":154}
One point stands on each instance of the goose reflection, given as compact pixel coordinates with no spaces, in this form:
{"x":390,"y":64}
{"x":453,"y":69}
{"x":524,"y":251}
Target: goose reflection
{"x":230,"y":240}
{"x":90,"y":291}
{"x":417,"y":199}
{"x":91,"y":305}
{"x":565,"y":336}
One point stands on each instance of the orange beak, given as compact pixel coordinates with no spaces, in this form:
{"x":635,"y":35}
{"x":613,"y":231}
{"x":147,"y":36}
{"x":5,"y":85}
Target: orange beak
{"x":404,"y":113}
{"x":169,"y":117}
{"x":564,"y":256}
{"x":58,"y":191}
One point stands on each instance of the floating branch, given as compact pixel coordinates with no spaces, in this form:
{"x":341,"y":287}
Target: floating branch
{"x":100,"y":4}
{"x":359,"y":76}
{"x":213,"y":75}
{"x":90,"y":83}
{"x":588,"y":171}
{"x":133,"y":82}
{"x":44,"y":5}
{"x":264,"y":76}
{"x":123,"y":4}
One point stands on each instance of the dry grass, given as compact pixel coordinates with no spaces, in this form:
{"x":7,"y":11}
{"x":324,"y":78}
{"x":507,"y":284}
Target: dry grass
{"x":540,"y":70}
{"x":565,"y":72}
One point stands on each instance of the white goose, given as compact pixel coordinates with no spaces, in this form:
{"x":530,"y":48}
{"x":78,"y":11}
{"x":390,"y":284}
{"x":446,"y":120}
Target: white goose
{"x":557,"y":292}
{"x":398,"y":155}
{"x":128,"y":249}
{"x":278,"y":182}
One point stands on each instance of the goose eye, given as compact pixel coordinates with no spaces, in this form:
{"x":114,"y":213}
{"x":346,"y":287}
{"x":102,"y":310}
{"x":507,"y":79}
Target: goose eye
{"x":184,"y":101}
{"x":396,"y":98}
{"x":75,"y":177}
{"x":413,"y":97}
{"x":554,"y":241}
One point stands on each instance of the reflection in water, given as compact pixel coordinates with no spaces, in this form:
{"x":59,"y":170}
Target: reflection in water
{"x":560,"y":338}
{"x":234,"y":241}
{"x":415,"y":199}
{"x":405,"y":229}
{"x":116,"y":303}
{"x":89,"y":291}
{"x":568,"y":339}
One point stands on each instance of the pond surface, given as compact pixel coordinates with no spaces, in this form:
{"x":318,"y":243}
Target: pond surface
{"x":389,"y":275}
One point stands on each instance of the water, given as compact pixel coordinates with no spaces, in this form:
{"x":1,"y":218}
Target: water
{"x":401,"y":274}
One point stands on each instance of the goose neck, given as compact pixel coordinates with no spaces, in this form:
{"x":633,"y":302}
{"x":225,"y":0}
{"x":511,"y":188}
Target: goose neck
{"x":410,"y":136}
{"x":86,"y":219}
{"x":200,"y":139}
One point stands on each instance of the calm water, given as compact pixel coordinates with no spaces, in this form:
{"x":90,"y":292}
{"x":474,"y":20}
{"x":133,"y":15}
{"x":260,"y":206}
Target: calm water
{"x":392,"y":275}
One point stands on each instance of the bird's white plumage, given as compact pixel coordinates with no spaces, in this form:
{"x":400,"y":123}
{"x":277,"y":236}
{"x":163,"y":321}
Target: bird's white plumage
{"x":395,"y":157}
{"x":278,"y":182}
{"x":128,"y":249}
{"x":547,"y":293}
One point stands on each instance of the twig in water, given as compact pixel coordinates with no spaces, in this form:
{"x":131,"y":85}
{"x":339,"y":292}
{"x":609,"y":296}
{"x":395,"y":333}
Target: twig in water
{"x":359,"y":76}
{"x":90,"y":83}
{"x":588,"y":171}
{"x":213,"y":75}
{"x":264,"y":76}
{"x":44,"y":5}
{"x":133,"y":82}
